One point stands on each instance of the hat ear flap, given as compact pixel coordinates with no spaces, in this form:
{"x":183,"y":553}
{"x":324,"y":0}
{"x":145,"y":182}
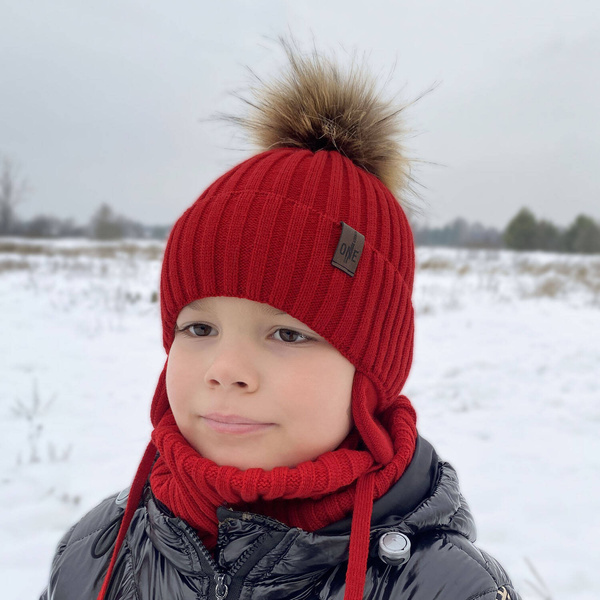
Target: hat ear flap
{"x":372,"y":432}
{"x":160,"y":402}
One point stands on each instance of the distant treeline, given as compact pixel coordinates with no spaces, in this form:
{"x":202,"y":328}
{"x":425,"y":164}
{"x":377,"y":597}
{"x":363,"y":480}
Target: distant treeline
{"x":458,"y":233}
{"x":523,"y":232}
{"x":105,"y":224}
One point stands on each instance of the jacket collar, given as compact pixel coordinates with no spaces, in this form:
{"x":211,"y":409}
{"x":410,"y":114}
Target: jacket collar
{"x":405,"y":495}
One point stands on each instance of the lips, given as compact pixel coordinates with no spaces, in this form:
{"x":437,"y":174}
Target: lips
{"x":234,"y":424}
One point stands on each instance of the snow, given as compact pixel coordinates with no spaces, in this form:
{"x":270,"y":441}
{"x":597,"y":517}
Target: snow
{"x":505,"y":381}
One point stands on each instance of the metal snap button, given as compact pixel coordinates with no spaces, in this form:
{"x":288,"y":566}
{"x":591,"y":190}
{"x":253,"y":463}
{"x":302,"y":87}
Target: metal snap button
{"x":394,"y":548}
{"x":121,"y":499}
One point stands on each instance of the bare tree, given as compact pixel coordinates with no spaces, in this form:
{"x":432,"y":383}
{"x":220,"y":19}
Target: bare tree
{"x":13,"y":189}
{"x":106,"y":224}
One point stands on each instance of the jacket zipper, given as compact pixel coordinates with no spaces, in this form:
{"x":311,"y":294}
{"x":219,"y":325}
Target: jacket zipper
{"x":221,"y":587}
{"x":222,"y":580}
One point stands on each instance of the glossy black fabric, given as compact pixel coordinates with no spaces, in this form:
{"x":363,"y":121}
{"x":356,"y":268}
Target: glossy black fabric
{"x":260,"y":558}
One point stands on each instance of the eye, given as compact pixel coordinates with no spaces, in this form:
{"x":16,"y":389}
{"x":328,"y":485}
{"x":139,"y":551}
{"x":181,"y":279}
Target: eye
{"x":197,"y":330}
{"x":290,"y":336}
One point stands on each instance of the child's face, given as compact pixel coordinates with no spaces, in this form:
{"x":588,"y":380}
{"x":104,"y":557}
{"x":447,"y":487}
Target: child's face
{"x":250,"y":386}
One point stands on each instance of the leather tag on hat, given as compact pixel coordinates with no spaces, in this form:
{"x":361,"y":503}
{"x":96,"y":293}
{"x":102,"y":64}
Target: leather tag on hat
{"x":348,"y":251}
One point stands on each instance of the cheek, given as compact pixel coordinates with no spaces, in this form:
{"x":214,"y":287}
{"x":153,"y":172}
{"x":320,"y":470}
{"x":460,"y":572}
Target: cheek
{"x":179,"y":378}
{"x":321,"y":394}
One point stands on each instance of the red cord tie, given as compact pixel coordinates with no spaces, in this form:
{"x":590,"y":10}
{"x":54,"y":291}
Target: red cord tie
{"x":360,"y":535}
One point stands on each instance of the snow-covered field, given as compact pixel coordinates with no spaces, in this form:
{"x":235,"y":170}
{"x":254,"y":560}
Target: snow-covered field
{"x":506,"y":382}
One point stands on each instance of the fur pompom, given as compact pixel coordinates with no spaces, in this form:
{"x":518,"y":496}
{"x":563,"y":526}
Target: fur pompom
{"x":315,"y":104}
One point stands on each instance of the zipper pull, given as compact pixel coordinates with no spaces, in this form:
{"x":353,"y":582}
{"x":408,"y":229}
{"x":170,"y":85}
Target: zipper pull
{"x":221,"y":587}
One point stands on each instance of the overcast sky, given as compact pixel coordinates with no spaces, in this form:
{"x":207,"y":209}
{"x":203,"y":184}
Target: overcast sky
{"x":108,"y":101}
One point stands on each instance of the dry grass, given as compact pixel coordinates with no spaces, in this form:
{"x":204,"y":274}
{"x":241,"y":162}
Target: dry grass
{"x":14,"y":265}
{"x":558,"y":277}
{"x":108,"y":259}
{"x":151,"y":251}
{"x":453,"y":274}
{"x":436,"y":263}
{"x":551,"y":287}
{"x":506,"y":275}
{"x":560,"y":267}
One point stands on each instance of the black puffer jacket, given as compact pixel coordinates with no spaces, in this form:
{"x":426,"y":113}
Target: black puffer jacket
{"x":162,"y":558}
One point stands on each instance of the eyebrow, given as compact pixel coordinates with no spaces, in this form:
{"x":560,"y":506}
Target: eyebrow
{"x":265,"y":308}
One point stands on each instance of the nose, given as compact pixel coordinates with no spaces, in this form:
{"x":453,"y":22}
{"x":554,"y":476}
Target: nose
{"x":232,"y":367}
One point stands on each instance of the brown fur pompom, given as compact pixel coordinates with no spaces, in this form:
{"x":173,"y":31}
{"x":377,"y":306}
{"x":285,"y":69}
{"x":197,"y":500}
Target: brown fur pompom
{"x":315,"y":104}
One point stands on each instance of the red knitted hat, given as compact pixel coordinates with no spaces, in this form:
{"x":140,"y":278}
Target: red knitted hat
{"x":268,"y":231}
{"x":311,"y":227}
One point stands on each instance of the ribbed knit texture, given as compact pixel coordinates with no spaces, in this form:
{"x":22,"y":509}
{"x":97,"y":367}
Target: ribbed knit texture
{"x":267,"y":231}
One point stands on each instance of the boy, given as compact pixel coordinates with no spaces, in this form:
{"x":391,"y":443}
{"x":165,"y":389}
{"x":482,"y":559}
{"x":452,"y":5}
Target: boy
{"x":284,"y":463}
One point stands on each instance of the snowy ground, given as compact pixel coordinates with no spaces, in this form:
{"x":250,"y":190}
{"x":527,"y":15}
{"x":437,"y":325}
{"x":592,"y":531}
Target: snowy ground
{"x":505,"y":381}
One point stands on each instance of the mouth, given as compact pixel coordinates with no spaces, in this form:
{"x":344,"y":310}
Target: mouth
{"x":234,"y":424}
